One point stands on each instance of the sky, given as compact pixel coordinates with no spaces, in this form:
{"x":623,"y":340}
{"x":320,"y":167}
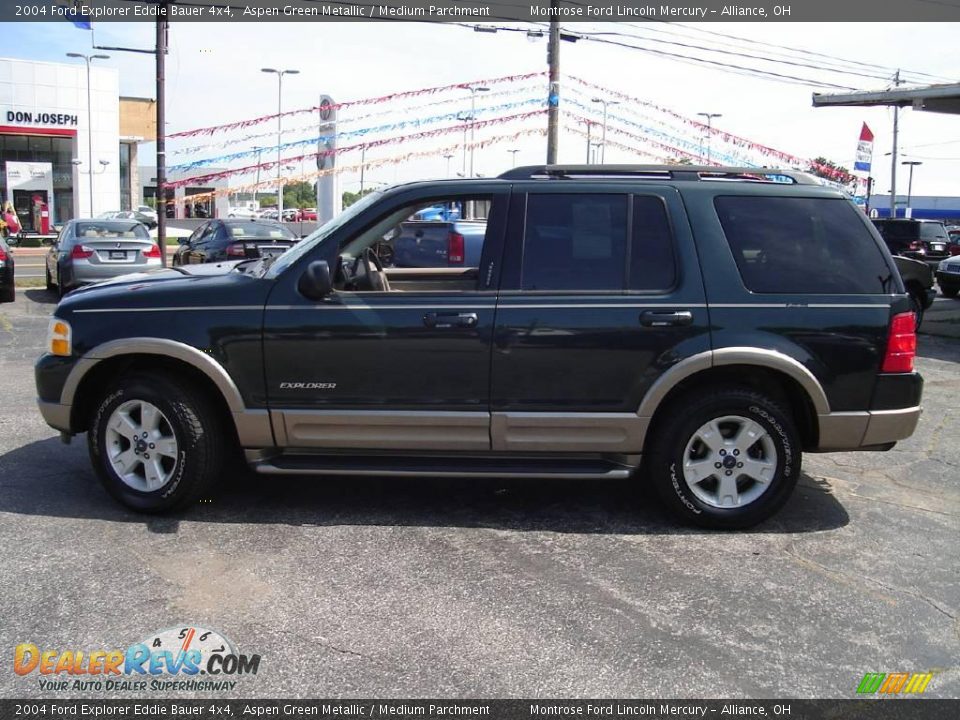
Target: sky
{"x":214,"y":77}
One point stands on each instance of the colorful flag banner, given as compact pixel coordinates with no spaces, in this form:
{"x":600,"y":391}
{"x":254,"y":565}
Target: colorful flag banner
{"x":864,"y":150}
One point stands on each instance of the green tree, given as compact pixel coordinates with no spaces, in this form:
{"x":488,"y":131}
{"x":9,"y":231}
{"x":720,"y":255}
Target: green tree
{"x":349,"y":198}
{"x":299,"y":195}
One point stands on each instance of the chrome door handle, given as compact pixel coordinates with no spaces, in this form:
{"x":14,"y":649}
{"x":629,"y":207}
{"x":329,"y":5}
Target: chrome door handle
{"x":448,"y":320}
{"x":666,"y":318}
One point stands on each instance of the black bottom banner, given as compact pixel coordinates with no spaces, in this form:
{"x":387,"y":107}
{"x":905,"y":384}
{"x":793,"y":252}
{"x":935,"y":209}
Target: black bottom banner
{"x":878,"y":709}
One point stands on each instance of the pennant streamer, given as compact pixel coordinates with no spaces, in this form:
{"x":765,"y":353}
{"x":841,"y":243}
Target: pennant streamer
{"x":393,"y":97}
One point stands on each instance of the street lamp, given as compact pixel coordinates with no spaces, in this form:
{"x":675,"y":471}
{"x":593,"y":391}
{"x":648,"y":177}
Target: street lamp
{"x":279,"y":74}
{"x":474,"y":89}
{"x":912,"y":164}
{"x":464,"y":118}
{"x":448,"y":157}
{"x":513,"y":152}
{"x":709,"y":117}
{"x":87,"y":59}
{"x":603,"y":140}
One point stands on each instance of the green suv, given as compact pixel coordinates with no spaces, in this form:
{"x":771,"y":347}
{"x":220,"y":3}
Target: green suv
{"x":698,"y":328}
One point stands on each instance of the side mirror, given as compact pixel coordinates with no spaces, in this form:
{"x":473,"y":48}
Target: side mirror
{"x":316,"y":283}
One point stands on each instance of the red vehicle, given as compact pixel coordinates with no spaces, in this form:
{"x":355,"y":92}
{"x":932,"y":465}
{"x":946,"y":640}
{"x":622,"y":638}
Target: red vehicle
{"x":309,"y":214}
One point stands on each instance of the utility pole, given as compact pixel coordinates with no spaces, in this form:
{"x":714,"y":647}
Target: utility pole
{"x":893,"y":158}
{"x":589,"y":123}
{"x":553,"y":94}
{"x":513,"y":153}
{"x":448,"y":156}
{"x":161,"y":49}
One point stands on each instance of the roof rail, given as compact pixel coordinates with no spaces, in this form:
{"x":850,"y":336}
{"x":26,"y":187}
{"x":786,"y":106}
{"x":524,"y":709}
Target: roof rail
{"x":692,"y":173}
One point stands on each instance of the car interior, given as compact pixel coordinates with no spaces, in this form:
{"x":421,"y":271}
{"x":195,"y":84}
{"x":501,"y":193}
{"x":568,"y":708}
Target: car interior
{"x":365,"y":262}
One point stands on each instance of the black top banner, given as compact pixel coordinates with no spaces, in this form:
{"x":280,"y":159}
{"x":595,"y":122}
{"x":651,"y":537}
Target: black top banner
{"x":532,"y":709}
{"x":476,"y":11}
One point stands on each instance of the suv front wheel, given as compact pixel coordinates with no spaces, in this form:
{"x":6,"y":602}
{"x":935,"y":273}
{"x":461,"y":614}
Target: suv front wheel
{"x":725,"y":458}
{"x":157,"y":445}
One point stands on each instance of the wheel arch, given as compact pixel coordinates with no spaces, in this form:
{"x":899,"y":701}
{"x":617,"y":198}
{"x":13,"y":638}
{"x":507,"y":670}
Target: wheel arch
{"x":770,"y":372}
{"x":111,"y":359}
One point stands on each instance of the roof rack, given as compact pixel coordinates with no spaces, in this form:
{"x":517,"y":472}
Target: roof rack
{"x":690,"y":173}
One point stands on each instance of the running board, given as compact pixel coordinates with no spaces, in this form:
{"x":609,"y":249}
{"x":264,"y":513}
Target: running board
{"x":439,"y":466}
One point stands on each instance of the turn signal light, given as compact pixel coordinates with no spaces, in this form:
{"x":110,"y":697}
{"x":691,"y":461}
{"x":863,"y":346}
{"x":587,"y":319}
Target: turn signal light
{"x":59,"y":337}
{"x":901,"y":344}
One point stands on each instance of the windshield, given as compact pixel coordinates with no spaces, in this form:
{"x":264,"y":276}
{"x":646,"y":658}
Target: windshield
{"x":259,"y":230}
{"x":933,"y":231}
{"x":320,"y":234}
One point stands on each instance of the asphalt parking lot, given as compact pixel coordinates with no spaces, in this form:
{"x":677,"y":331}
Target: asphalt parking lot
{"x":461,"y":588}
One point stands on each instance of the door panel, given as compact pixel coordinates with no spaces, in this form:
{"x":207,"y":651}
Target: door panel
{"x":571,"y":366}
{"x":405,"y":369}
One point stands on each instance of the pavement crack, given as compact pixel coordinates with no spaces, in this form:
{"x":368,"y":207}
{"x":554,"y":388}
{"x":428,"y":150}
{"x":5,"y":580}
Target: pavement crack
{"x":343,"y":651}
{"x":848,"y":576}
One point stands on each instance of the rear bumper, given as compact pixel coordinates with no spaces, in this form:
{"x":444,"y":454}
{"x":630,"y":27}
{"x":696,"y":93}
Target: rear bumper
{"x":86,"y":274}
{"x":842,"y":431}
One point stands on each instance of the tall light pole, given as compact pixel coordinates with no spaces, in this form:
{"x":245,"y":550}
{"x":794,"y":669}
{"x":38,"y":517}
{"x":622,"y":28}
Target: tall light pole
{"x":709,"y":117}
{"x":464,"y":118}
{"x":448,"y":156}
{"x":912,"y":164}
{"x":279,"y":74}
{"x":474,"y":89}
{"x":513,"y":153}
{"x":87,"y":59}
{"x":603,"y":140}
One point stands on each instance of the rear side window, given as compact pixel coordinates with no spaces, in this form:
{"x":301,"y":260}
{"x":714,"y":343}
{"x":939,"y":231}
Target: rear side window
{"x":803,"y":246}
{"x":586,"y":242}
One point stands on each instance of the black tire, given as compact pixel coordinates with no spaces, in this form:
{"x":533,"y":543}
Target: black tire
{"x":664,"y":461}
{"x":196,"y":425}
{"x":949,"y":291}
{"x":51,"y":286}
{"x":916,"y":304}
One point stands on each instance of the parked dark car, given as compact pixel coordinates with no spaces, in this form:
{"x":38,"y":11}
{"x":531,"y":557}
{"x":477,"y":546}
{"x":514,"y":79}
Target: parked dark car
{"x":698,"y":328}
{"x":925,"y":240}
{"x":8,"y":290}
{"x":233,"y":239}
{"x":918,"y":281}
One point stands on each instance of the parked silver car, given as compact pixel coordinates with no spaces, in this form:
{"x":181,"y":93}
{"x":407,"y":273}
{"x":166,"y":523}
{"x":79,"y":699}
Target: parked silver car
{"x":87,"y":251}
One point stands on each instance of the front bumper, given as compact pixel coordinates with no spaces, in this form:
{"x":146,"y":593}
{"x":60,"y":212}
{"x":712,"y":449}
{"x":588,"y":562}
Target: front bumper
{"x":56,"y":415}
{"x":945,"y":278}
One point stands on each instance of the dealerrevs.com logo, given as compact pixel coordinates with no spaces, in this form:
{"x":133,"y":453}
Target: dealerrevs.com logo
{"x":184,"y":658}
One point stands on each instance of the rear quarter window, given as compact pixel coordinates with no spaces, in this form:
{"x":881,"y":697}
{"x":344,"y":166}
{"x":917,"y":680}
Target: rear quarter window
{"x":803,"y":246}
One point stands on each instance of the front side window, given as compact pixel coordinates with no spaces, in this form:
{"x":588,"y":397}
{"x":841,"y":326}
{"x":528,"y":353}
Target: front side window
{"x":803,"y":246}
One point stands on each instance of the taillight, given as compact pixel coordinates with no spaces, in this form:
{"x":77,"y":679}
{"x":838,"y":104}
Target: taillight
{"x":153,"y":252}
{"x":81,"y":252}
{"x":3,"y":255}
{"x":237,"y":250}
{"x":901,"y":344}
{"x":455,"y":248}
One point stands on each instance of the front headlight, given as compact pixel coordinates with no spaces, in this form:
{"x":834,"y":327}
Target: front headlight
{"x":59,"y":337}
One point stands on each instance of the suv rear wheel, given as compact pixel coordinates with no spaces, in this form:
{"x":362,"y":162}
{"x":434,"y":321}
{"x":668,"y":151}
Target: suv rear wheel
{"x":157,"y":445}
{"x":729,"y":460}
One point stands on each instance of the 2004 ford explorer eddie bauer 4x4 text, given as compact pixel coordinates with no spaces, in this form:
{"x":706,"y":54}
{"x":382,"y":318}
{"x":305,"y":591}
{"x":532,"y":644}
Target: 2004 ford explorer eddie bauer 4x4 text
{"x":697,"y":328}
